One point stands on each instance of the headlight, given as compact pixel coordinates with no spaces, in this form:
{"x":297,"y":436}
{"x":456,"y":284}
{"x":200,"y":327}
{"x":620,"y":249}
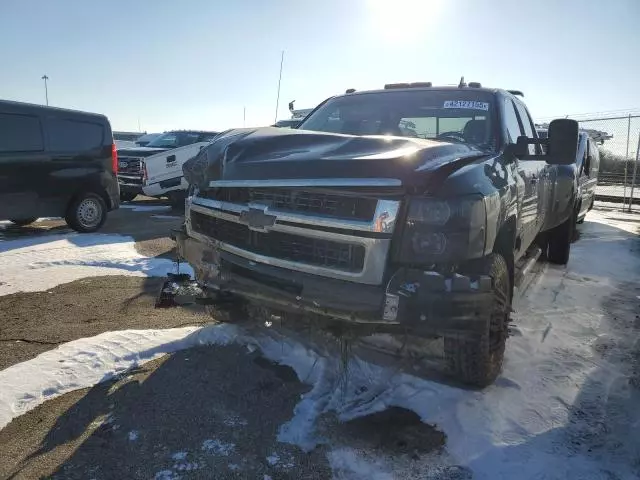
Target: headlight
{"x":442,"y":230}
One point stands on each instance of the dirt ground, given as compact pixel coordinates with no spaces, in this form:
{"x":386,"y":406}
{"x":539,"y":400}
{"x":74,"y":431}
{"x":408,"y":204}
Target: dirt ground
{"x":37,"y":321}
{"x":143,"y":425}
{"x":215,"y":412}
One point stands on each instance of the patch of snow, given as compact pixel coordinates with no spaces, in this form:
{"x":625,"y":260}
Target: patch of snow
{"x":133,"y":435}
{"x":82,"y":363}
{"x":623,"y":220}
{"x":267,"y":477}
{"x":347,"y":464}
{"x":273,"y":459}
{"x":179,"y":456}
{"x":43,"y":219}
{"x":234,"y":467}
{"x":217,"y":447}
{"x":186,"y":466}
{"x":166,"y":475}
{"x":43,"y":262}
{"x":146,"y":208}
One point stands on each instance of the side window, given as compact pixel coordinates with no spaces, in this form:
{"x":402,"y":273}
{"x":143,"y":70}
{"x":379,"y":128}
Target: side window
{"x":527,"y":126}
{"x":511,"y":122}
{"x":20,"y":133}
{"x":187,"y":138}
{"x":74,"y":136}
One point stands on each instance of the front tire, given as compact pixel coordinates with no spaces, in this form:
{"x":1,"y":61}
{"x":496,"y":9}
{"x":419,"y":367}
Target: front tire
{"x":23,"y":222}
{"x":87,"y":213}
{"x":477,"y":361}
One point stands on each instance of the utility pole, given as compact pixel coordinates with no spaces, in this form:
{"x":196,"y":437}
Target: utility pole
{"x":46,"y":91}
{"x":244,"y":117}
{"x":279,"y":80}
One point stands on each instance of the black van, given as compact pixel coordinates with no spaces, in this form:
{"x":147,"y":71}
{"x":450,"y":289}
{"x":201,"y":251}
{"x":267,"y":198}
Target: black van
{"x":56,"y":163}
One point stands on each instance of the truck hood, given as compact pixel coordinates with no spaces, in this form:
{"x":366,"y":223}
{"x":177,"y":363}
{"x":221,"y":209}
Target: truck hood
{"x":284,"y":154}
{"x":140,"y":151}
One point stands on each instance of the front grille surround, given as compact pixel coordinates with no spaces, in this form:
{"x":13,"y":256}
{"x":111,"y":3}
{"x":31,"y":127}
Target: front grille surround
{"x":285,"y":246}
{"x":340,"y":248}
{"x":134,"y":165}
{"x":299,"y":201}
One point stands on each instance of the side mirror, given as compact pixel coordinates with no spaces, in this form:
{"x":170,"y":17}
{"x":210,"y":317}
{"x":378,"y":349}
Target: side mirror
{"x":586,"y":167}
{"x":562,"y":146}
{"x":520,"y":149}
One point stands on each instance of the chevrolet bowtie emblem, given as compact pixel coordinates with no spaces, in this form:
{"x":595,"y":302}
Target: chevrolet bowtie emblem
{"x":257,"y":219}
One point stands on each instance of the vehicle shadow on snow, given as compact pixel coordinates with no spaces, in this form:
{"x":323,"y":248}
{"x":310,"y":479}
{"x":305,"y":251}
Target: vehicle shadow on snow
{"x":214,"y":408}
{"x":205,"y":409}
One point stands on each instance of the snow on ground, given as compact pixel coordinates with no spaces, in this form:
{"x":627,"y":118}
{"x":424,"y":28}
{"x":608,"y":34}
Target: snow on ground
{"x":42,"y":262}
{"x":563,"y":407}
{"x":82,"y":363}
{"x":8,"y":223}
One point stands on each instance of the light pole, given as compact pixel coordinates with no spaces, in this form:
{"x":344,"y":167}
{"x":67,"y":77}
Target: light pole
{"x":46,"y":91}
{"x":279,"y":80}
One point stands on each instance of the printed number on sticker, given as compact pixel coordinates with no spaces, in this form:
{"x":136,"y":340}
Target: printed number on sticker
{"x":469,"y":104}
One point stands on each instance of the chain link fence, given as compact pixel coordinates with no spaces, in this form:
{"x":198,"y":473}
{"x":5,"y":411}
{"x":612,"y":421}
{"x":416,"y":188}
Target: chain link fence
{"x":618,"y":139}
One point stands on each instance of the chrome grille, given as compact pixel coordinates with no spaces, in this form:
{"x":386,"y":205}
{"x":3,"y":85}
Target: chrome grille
{"x":133,"y":165}
{"x":285,"y":246}
{"x":307,"y":202}
{"x":345,"y":236}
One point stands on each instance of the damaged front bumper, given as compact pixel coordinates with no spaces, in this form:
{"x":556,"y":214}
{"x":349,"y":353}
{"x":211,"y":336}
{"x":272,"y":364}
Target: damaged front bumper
{"x":412,"y":300}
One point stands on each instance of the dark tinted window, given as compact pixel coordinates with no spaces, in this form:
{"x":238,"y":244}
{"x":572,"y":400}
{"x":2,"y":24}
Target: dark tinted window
{"x":511,"y":122}
{"x":73,"y":135}
{"x":20,"y":133}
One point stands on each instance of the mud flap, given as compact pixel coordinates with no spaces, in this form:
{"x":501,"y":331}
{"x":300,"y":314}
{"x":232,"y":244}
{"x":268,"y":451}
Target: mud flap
{"x":178,"y":289}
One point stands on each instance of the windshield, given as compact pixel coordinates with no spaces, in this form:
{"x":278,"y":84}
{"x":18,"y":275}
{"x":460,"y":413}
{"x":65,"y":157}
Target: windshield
{"x":447,"y":115}
{"x":175,"y":139}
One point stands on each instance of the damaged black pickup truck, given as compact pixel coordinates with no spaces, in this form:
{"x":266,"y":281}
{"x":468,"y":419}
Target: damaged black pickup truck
{"x":411,"y":210}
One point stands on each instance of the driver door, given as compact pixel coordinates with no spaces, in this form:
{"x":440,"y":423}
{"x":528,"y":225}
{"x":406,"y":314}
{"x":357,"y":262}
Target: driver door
{"x":529,"y":180}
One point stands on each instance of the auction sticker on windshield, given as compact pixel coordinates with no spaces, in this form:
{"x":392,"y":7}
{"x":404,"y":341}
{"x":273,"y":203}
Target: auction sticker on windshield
{"x":469,"y":104}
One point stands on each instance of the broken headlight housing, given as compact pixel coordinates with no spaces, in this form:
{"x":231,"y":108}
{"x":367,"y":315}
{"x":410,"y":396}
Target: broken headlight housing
{"x":443,"y":230}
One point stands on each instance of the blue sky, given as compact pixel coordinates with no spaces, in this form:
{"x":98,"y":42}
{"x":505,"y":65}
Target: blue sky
{"x":197,"y":63}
